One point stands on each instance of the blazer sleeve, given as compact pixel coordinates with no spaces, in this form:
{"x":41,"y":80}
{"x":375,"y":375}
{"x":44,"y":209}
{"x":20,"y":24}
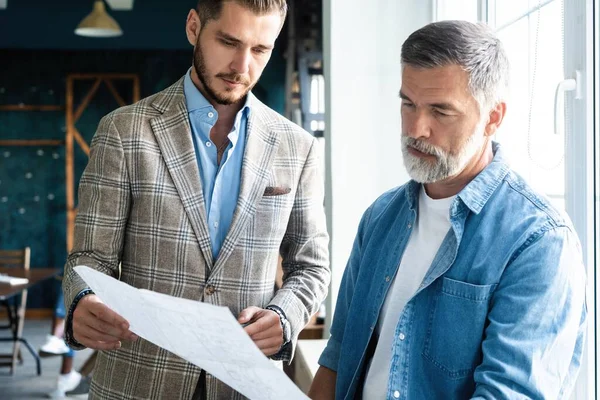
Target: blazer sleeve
{"x":305,"y":253}
{"x":103,"y":209}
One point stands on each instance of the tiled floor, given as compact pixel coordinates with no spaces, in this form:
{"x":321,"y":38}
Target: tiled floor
{"x":25,"y":383}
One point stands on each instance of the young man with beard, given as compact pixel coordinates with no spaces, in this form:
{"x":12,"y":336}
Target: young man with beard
{"x":195,"y":192}
{"x":464,"y":282}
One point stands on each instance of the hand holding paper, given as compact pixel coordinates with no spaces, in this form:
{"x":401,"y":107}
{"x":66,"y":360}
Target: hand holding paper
{"x":97,"y":326}
{"x":264,"y":328}
{"x":205,"y":335}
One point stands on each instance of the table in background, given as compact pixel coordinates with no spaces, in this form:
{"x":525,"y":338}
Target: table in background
{"x":16,"y":314}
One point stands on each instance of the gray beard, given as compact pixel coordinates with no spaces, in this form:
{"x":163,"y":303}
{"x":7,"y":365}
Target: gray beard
{"x":446,"y":164}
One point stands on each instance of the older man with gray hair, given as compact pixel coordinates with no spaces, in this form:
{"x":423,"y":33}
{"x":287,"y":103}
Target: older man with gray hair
{"x":464,"y":282}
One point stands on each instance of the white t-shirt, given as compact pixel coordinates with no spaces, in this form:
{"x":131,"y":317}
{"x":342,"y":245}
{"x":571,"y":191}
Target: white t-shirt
{"x":430,"y":229}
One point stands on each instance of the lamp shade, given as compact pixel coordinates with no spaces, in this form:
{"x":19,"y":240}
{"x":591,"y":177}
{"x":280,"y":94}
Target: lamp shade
{"x":98,"y":23}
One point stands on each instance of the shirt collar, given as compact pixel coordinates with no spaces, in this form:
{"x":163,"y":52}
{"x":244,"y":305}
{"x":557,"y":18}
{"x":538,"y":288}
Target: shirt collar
{"x":477,"y":192}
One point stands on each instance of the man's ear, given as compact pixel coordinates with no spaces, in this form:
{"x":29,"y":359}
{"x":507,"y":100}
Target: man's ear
{"x":192,"y":27}
{"x":495,"y":118}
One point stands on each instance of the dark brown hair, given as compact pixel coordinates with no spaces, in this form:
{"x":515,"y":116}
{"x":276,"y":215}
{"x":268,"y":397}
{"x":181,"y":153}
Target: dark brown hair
{"x":211,"y":9}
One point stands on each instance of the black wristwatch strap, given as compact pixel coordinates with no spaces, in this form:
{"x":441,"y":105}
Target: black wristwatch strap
{"x":69,"y":322}
{"x":285,"y":324}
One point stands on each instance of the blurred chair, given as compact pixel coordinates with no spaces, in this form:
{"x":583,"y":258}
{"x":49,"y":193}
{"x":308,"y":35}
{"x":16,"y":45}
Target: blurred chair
{"x":15,"y":307}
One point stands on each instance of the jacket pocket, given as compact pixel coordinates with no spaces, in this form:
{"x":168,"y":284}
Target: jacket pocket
{"x":456,"y":325}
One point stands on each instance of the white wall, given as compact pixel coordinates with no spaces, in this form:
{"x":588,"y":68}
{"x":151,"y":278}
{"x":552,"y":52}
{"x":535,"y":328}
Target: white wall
{"x":362,"y":42}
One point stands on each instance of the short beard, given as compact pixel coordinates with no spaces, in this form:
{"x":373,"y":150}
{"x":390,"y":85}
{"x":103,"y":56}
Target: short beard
{"x":446,"y":164}
{"x":219,"y":98}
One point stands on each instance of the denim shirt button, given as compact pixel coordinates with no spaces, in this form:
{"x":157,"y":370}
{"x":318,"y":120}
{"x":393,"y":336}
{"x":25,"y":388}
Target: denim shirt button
{"x":409,"y":226}
{"x":387,"y":278}
{"x":396,"y":394}
{"x":401,"y":336}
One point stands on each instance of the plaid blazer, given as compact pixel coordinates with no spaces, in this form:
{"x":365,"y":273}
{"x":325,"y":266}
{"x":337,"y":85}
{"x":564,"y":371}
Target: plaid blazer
{"x":142,"y":219}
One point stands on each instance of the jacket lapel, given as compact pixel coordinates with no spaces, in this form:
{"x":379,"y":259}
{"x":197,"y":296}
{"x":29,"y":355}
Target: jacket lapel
{"x":173,"y":134}
{"x":261,"y":147}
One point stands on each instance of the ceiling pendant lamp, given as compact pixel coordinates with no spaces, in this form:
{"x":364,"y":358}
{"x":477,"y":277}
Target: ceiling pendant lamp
{"x":98,"y":23}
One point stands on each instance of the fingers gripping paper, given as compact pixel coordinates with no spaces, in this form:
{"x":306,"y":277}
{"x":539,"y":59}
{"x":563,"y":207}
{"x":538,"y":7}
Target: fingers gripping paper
{"x":203,"y":334}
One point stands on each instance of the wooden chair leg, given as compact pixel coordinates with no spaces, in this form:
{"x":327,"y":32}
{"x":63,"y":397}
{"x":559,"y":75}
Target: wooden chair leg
{"x":20,"y":321}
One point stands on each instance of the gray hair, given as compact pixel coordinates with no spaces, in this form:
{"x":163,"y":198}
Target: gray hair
{"x":472,"y":46}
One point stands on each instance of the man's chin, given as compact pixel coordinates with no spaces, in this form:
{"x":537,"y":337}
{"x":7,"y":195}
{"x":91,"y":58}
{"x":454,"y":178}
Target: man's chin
{"x":229,"y":98}
{"x":422,"y":171}
{"x":412,"y":163}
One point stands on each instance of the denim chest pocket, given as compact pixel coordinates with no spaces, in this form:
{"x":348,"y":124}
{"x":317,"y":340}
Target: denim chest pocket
{"x":456,"y":324}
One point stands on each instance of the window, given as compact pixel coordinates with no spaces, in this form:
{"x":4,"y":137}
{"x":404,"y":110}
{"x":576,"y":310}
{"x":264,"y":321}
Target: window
{"x":535,"y":48}
{"x":468,"y":10}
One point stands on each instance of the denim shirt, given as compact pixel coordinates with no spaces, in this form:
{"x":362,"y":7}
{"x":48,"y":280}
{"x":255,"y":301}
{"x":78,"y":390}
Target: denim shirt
{"x":500,"y":314}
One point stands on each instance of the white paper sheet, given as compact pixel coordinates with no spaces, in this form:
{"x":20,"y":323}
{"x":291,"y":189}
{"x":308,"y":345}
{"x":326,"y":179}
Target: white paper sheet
{"x":205,"y":335}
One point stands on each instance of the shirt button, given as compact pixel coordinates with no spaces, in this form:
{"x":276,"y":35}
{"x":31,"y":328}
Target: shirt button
{"x":401,"y":336}
{"x":208,"y":144}
{"x":387,"y":278}
{"x":216,"y":224}
{"x":210,"y":115}
{"x":409,"y":226}
{"x":396,"y":394}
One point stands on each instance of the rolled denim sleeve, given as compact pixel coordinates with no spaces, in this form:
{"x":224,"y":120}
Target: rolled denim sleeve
{"x":331,"y":355}
{"x":533,"y":344}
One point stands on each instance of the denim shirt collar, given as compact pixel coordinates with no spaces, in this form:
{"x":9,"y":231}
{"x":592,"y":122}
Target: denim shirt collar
{"x":477,"y":192}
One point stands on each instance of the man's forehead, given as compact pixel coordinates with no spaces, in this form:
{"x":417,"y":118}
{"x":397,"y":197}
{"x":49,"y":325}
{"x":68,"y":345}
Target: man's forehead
{"x":446,"y":76}
{"x":438,"y":81}
{"x":234,"y":13}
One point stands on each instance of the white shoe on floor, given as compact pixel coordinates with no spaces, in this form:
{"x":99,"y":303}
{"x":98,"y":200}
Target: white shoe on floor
{"x":64,"y":384}
{"x":54,"y":346}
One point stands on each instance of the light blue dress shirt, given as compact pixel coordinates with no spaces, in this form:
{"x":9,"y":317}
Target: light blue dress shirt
{"x":220,"y":182}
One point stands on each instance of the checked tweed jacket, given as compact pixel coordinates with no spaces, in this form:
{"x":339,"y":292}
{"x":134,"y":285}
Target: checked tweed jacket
{"x":142,"y":219}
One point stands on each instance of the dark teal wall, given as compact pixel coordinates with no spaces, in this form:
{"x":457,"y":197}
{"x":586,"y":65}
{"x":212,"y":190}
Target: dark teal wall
{"x":39,"y":24}
{"x":32,"y":179}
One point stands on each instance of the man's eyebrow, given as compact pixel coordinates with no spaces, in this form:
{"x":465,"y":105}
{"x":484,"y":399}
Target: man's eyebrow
{"x":441,"y":106}
{"x":444,"y":106}
{"x":233,"y":39}
{"x":264,"y":47}
{"x":228,"y":37}
{"x":404,"y":97}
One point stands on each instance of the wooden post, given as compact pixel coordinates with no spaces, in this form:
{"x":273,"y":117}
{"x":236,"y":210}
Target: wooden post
{"x":70,"y":165}
{"x":136,"y":89}
{"x":73,"y":136}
